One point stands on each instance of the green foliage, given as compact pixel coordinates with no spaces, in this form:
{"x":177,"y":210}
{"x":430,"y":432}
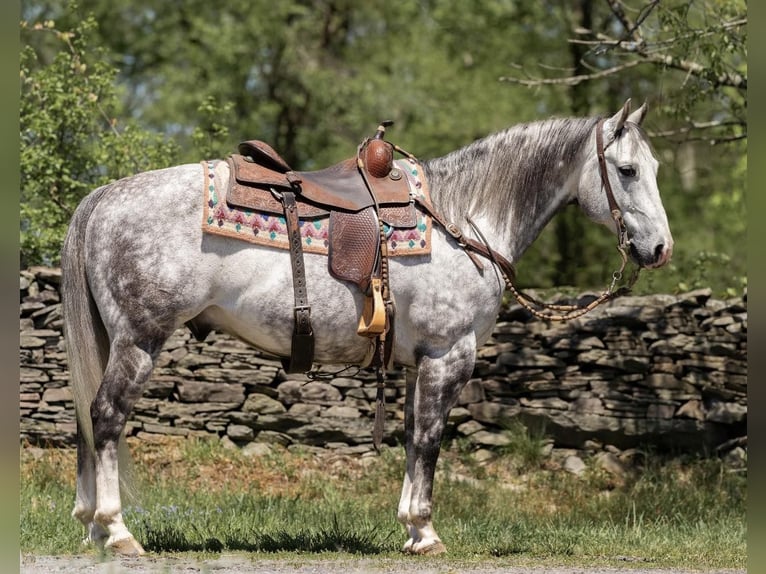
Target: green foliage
{"x":313,"y":79}
{"x":71,"y":139}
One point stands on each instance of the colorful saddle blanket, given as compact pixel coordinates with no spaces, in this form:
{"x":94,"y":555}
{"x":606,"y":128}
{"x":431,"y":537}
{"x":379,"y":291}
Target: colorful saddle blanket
{"x":269,"y":229}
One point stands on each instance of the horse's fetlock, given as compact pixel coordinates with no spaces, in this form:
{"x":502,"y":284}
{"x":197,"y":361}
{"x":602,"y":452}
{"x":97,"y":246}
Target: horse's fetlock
{"x":108,"y":517}
{"x":83,"y":514}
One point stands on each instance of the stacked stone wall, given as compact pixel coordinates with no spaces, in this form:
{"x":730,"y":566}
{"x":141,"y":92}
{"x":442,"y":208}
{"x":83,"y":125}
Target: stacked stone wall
{"x":665,"y":371}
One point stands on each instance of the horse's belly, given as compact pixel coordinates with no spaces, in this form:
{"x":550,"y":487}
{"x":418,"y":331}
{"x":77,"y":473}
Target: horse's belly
{"x":254,"y":300}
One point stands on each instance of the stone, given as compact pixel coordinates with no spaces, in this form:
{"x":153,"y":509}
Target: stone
{"x":165,"y":430}
{"x":345,"y":383}
{"x":458,"y":415}
{"x":261,"y":404}
{"x":193,"y":360}
{"x":574,"y":464}
{"x":469,"y":427}
{"x":257,"y":450}
{"x":585,"y":404}
{"x":692,"y":409}
{"x":274,"y":438}
{"x":341,"y":412}
{"x":611,"y":464}
{"x":161,"y":388}
{"x":280,"y":423}
{"x":318,"y":392}
{"x":198,"y":391}
{"x":51,"y":275}
{"x":289,"y":392}
{"x":30,"y":342}
{"x":228,"y":444}
{"x":660,"y":411}
{"x":494,"y":413}
{"x":472,"y":392}
{"x":60,"y":395}
{"x":27,"y":375}
{"x":545,"y":403}
{"x":727,"y":413}
{"x":302,"y":410}
{"x":529,"y":358}
{"x":615,"y":360}
{"x":239,"y":433}
{"x":319,"y":434}
{"x":483,"y":456}
{"x":492,"y":439}
{"x":695,"y":298}
{"x":736,"y":458}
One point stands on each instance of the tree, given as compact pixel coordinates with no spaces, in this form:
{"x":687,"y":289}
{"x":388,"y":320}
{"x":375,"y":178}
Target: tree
{"x":314,"y":78}
{"x":688,"y":58}
{"x":71,"y":139}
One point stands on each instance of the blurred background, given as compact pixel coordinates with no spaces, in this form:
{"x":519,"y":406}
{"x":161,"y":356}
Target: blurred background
{"x":114,"y":87}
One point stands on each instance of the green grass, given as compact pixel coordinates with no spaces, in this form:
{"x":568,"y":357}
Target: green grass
{"x":196,"y":497}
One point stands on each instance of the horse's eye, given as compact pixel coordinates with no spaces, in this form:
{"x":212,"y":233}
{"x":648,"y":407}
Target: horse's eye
{"x":627,"y":170}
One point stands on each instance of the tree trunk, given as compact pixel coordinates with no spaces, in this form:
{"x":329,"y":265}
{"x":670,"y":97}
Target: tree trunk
{"x":570,"y":224}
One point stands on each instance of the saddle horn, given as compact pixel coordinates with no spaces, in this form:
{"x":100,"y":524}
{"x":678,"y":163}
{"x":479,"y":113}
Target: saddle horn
{"x":378,"y":154}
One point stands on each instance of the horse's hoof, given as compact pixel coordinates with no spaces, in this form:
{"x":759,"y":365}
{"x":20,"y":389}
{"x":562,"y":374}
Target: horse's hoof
{"x":431,"y":548}
{"x":126,"y":547}
{"x":407,"y":548}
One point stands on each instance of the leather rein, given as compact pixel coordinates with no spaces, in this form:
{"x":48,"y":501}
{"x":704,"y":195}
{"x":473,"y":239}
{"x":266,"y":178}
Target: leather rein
{"x":539,"y":309}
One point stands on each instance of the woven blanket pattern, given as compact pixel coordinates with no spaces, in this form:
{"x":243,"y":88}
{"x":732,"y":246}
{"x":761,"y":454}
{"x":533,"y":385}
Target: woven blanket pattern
{"x":271,"y":230}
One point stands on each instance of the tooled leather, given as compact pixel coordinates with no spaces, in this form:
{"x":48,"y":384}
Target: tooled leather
{"x":354,"y":239}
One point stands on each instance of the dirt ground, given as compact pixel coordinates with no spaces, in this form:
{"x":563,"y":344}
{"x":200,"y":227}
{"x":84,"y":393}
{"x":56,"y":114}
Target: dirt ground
{"x":240,"y":564}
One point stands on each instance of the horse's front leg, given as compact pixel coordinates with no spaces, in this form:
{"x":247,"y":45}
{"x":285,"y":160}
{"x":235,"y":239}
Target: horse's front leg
{"x":431,"y":393}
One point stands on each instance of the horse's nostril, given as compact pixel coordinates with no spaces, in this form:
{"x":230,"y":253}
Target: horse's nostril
{"x":658,"y":252}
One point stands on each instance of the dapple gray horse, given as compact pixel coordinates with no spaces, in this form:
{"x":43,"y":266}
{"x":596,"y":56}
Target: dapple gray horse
{"x":129,"y":282}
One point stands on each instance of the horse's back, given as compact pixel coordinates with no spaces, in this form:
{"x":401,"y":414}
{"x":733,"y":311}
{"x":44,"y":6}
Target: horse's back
{"x":152,"y":268}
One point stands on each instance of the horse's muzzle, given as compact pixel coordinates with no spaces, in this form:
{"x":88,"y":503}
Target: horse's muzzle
{"x":657,"y":258}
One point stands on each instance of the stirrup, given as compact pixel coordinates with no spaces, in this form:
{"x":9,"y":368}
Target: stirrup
{"x":373,"y":320}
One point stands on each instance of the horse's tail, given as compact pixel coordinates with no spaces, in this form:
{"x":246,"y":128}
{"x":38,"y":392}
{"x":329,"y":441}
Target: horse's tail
{"x":87,"y":342}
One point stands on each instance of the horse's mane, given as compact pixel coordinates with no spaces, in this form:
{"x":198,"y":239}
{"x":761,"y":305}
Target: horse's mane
{"x":509,"y":171}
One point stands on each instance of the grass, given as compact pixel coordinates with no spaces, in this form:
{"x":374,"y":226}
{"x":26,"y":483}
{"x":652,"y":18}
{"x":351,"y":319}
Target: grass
{"x":196,"y":497}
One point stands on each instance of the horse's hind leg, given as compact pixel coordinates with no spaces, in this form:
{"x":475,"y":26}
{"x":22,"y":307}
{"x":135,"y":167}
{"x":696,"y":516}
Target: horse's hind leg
{"x":85,"y":500}
{"x":440,"y":378}
{"x":129,"y":367}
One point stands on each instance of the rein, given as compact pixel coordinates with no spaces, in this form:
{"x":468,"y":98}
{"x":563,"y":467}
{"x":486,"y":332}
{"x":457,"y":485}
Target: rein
{"x":540,"y":309}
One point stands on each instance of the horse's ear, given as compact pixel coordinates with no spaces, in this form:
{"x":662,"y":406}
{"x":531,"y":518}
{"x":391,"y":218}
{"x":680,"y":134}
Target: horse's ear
{"x":638,"y":116}
{"x":615,"y":123}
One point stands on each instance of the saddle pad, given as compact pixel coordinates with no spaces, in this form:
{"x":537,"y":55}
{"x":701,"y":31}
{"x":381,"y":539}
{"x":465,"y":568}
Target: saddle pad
{"x":271,"y":230}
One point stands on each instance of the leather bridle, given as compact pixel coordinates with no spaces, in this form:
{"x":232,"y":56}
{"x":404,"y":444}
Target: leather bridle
{"x":614,"y":209}
{"x":538,"y":308}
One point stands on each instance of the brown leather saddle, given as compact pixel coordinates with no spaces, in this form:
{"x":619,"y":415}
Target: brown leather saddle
{"x":358,"y":194}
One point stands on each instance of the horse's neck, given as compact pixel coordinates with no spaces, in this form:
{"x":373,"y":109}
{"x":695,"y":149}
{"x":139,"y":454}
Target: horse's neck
{"x":510,"y":184}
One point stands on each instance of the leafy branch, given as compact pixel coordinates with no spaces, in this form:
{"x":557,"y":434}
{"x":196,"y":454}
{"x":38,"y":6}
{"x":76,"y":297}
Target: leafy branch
{"x":661,"y":37}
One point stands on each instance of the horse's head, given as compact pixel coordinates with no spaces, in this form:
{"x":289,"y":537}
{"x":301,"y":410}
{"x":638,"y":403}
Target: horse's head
{"x":631,"y":169}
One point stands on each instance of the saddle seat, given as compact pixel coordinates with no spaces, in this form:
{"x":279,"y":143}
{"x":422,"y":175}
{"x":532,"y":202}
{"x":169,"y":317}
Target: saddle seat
{"x":259,"y":168}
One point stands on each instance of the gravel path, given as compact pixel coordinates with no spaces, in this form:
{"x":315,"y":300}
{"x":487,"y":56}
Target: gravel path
{"x":239,"y":564}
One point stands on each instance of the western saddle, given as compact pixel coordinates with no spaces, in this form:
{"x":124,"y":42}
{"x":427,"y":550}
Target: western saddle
{"x":359,"y":195}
